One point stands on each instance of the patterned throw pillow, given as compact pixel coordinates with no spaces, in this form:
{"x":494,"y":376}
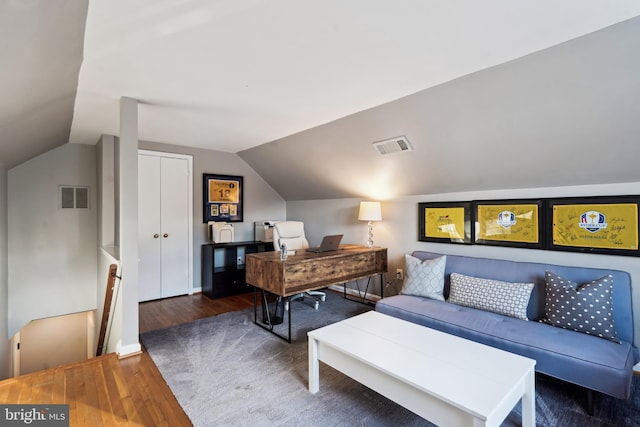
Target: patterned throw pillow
{"x":509,"y":299}
{"x":586,"y":308}
{"x":424,"y":278}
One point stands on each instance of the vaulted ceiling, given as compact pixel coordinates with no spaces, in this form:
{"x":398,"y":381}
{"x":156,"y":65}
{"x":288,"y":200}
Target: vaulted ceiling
{"x":563,"y":116}
{"x":261,"y":77}
{"x":41,"y":52}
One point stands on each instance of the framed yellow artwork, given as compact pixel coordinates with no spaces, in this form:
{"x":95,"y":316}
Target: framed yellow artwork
{"x":223,"y":197}
{"x":607,"y":225}
{"x":445,"y":222}
{"x":515,"y":223}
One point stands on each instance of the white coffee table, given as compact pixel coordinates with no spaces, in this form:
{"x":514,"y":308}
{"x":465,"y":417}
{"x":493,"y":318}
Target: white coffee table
{"x":445,"y":379}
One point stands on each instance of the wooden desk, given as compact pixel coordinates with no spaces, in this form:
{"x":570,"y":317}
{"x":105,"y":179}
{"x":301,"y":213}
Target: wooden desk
{"x":307,"y":271}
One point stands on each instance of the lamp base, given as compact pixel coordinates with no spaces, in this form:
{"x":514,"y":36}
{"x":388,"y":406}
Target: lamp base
{"x":370,"y":240}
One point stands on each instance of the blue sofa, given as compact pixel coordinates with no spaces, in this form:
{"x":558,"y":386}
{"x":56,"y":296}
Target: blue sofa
{"x":588,"y":361}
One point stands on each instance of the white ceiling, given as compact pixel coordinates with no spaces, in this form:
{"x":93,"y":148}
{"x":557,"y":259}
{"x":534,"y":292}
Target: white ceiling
{"x":233,"y":74}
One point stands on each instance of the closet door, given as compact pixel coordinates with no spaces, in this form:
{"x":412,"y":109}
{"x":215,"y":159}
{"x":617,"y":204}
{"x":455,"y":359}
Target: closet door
{"x":149,"y":279}
{"x":164,"y":225}
{"x":174,"y":226}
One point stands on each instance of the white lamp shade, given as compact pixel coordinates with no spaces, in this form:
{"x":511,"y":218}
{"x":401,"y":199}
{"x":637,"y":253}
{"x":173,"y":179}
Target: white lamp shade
{"x":370,"y":211}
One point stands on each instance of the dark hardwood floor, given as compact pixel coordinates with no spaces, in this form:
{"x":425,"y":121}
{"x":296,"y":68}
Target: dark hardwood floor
{"x":183,"y":309}
{"x":105,"y":390}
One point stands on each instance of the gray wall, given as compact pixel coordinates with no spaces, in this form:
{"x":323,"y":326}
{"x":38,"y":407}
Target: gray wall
{"x":4,"y":291}
{"x":260,"y":200}
{"x":398,"y":230}
{"x":51,"y":252}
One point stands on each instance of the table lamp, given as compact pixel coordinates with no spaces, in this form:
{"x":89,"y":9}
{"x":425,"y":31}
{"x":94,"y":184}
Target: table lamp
{"x":370,"y":211}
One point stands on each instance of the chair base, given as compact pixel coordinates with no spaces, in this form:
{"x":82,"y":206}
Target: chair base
{"x":314,"y":296}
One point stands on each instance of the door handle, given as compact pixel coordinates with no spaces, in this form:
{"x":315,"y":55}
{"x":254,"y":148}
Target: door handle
{"x":155,"y":236}
{"x":165,"y":235}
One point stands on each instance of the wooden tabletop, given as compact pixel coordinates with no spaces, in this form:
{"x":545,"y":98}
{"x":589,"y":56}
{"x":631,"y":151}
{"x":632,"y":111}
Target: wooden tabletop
{"x":307,"y":271}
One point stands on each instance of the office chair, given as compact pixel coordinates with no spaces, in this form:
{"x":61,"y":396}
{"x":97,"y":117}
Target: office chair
{"x":291,"y":233}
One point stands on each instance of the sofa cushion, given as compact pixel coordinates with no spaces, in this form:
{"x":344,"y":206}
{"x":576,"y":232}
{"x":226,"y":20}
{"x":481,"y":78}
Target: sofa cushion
{"x":424,"y":278}
{"x":509,"y":299}
{"x":585,"y":308}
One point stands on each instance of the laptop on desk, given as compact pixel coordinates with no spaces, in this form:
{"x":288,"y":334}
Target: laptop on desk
{"x":329,"y":243}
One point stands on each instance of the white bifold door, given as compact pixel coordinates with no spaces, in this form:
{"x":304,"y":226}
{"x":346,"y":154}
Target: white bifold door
{"x":164,"y":225}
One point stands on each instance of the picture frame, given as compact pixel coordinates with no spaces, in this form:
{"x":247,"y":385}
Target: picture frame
{"x":445,"y":222}
{"x":602,"y":225}
{"x":515,"y":223}
{"x":223,"y":197}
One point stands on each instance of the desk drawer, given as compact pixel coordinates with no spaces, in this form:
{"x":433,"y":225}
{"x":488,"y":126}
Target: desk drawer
{"x":307,"y":271}
{"x":330,"y":270}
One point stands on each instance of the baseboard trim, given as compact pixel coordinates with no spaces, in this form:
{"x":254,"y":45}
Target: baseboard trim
{"x":354,"y":292}
{"x":129,"y":350}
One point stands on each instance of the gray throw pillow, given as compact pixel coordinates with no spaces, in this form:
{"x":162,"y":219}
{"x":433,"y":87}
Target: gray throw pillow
{"x":424,"y":278}
{"x":506,"y":298}
{"x":586,"y":308}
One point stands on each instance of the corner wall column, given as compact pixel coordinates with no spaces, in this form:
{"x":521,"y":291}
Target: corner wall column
{"x":128,"y":156}
{"x":4,"y":278}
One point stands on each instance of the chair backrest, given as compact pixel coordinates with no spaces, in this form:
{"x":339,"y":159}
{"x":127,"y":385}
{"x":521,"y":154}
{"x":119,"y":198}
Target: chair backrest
{"x":291,"y":233}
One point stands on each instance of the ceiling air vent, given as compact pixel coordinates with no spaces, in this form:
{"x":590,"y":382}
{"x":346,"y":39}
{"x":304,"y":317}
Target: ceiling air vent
{"x":393,"y":145}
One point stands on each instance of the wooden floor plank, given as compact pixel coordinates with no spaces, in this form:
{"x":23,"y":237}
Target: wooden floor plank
{"x":41,"y":387}
{"x":93,"y":383}
{"x":75,"y":385}
{"x":102,"y":395}
{"x":110,"y":374}
{"x":59,"y":387}
{"x":24,"y":393}
{"x":9,"y":390}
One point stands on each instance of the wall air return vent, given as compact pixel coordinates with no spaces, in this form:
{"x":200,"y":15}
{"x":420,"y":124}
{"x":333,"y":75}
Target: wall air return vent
{"x":74,"y":197}
{"x":393,"y":145}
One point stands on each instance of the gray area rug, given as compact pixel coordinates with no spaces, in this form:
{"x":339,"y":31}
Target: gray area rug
{"x":226,"y":371}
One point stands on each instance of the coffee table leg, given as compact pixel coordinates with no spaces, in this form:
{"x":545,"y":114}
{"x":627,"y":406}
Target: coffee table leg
{"x":529,"y":401}
{"x":314,"y":367}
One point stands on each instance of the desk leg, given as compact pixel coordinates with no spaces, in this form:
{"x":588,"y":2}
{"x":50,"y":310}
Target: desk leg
{"x":255,"y":305}
{"x":529,"y":401}
{"x":269,"y":326}
{"x":314,"y":367}
{"x":288,"y":301}
{"x":361,"y":298}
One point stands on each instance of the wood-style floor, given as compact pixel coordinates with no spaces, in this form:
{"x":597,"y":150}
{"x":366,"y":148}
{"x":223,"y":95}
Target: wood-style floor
{"x":175,"y":311}
{"x":107,"y":391}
